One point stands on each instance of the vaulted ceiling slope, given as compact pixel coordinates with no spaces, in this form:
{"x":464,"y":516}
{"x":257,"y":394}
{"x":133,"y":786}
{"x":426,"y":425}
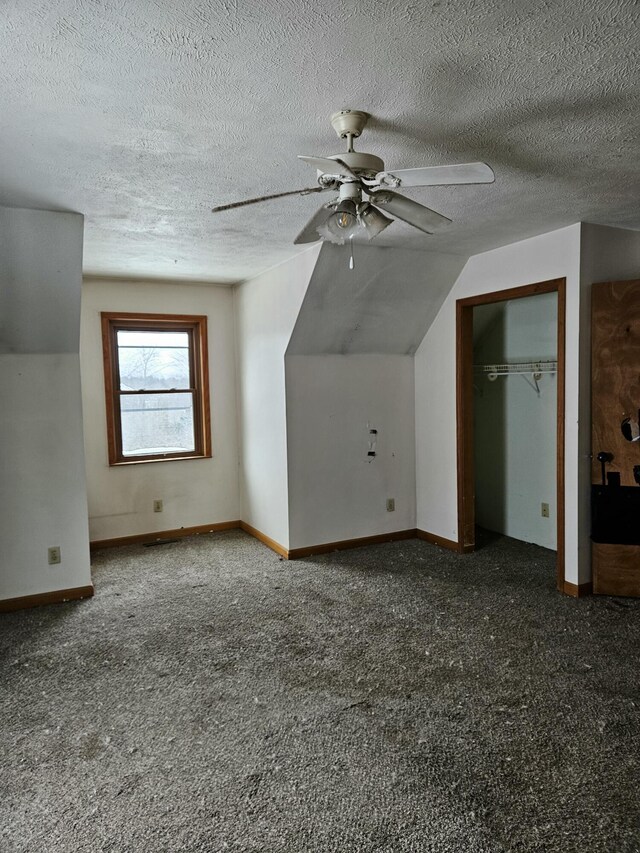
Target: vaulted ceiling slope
{"x":385,"y":304}
{"x":142,"y":116}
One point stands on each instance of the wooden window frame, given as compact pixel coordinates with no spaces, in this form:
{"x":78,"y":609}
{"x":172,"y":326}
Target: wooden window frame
{"x":196,"y":328}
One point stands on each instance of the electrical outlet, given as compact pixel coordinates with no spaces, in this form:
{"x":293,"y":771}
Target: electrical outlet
{"x":544,"y":510}
{"x":54,"y":555}
{"x":157,"y":506}
{"x":391,"y":504}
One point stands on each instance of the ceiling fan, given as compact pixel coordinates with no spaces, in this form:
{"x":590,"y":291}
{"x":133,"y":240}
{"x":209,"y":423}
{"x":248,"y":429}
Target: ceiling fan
{"x":365,"y":189}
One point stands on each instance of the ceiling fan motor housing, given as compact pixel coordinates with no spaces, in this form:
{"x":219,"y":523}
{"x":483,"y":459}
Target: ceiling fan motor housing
{"x":350,"y":190}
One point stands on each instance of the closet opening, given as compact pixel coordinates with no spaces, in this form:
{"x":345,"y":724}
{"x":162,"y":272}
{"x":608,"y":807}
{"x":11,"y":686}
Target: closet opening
{"x":510,"y":416}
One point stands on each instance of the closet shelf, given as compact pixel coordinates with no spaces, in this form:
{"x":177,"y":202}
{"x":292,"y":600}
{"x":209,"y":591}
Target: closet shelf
{"x":517,"y":368}
{"x":534,"y":369}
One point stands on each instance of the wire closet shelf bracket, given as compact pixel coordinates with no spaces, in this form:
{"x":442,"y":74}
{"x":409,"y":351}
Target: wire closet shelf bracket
{"x":532,"y":371}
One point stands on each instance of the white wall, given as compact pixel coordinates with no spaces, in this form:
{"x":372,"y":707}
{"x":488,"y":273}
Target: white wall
{"x":194,"y":491}
{"x":41,"y":264}
{"x":515,"y":425}
{"x":336,"y":491}
{"x":548,"y":256}
{"x":42,"y":477}
{"x":609,"y":254}
{"x":266,"y":309}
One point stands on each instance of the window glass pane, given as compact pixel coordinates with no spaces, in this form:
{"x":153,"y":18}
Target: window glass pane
{"x":157,"y":423}
{"x":153,"y":360}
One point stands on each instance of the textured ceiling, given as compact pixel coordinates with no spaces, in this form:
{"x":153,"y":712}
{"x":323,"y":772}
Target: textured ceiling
{"x":142,"y":115}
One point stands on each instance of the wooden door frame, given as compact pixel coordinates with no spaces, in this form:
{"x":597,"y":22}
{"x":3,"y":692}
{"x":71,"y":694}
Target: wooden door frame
{"x":464,"y":407}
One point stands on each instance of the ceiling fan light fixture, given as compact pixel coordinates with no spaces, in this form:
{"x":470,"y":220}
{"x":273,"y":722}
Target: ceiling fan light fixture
{"x":342,"y":224}
{"x":346,"y":214}
{"x":373,"y":220}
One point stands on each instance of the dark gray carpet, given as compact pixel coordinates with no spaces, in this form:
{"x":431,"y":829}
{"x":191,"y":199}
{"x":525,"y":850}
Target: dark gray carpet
{"x":212,"y":697}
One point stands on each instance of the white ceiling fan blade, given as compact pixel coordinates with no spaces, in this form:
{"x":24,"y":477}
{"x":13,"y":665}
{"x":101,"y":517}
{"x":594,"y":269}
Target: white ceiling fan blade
{"x":329,"y":166}
{"x":309,"y":233}
{"x":233,"y":204}
{"x":437,"y":176}
{"x":409,"y":211}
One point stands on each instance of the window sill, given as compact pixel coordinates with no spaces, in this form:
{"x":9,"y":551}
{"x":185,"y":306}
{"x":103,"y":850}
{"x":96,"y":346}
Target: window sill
{"x":120,"y":463}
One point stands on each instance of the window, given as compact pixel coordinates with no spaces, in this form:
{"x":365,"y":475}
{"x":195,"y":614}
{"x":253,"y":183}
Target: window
{"x":157,"y":387}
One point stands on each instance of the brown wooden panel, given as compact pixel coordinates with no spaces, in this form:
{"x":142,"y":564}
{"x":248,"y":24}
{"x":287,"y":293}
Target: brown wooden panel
{"x":616,"y":569}
{"x":615,"y":375}
{"x":615,"y":395}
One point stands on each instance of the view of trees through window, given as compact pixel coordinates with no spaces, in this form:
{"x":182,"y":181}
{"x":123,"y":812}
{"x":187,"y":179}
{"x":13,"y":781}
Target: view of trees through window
{"x":162,"y":419}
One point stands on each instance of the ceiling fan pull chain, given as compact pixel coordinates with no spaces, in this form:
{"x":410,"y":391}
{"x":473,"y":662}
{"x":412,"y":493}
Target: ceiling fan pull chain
{"x":351,"y":257}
